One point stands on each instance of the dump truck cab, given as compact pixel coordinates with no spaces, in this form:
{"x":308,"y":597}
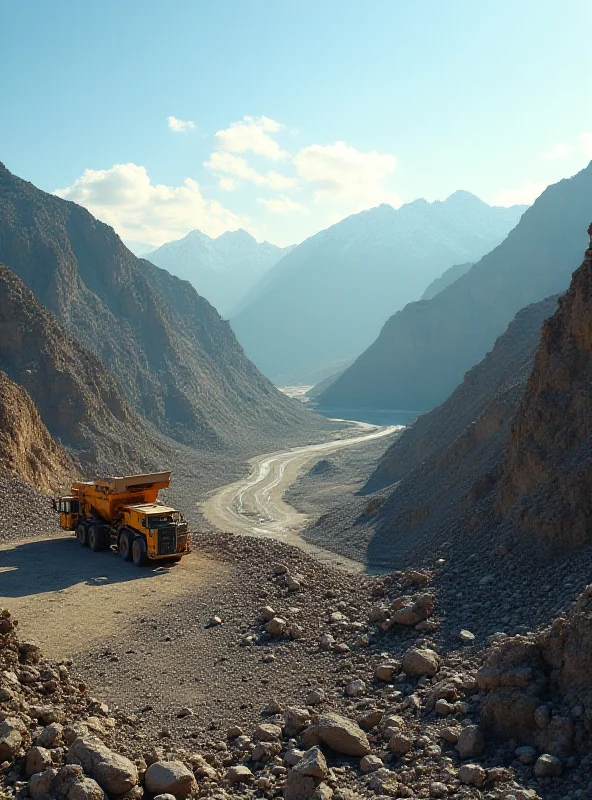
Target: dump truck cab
{"x":164,"y":528}
{"x":123,"y":514}
{"x":68,"y":508}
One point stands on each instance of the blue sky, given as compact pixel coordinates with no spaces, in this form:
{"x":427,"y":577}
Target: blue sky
{"x":301,"y":112}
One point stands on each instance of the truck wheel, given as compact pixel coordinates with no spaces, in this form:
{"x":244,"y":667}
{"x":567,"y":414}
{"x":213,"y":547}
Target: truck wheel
{"x":96,"y":538}
{"x":125,"y":546}
{"x":139,"y":552}
{"x":81,"y":534}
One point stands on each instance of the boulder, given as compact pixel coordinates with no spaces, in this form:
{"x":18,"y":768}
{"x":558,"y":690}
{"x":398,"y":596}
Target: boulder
{"x":422,"y":661}
{"x":170,"y":777}
{"x":400,"y":744}
{"x":266,"y":732}
{"x":10,"y":739}
{"x":113,"y":772}
{"x":296,"y":719}
{"x":85,"y":789}
{"x":472,"y":774}
{"x":38,"y":760}
{"x":239,"y":774}
{"x":40,"y":784}
{"x":386,"y":672}
{"x":312,"y":763}
{"x":315,"y":697}
{"x":50,"y":736}
{"x":339,"y":733}
{"x":371,"y":763}
{"x":471,"y":743}
{"x":276,"y":626}
{"x":547,"y":766}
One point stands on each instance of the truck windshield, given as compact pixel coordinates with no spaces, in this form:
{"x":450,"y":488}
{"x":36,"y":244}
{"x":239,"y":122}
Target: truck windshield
{"x":162,"y":519}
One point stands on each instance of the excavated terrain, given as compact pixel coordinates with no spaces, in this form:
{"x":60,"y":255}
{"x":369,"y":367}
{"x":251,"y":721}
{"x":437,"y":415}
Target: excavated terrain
{"x":205,"y":679}
{"x":27,"y":450}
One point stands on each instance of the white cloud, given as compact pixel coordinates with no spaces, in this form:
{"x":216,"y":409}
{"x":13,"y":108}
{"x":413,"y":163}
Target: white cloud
{"x":237,"y":167}
{"x":558,"y":151}
{"x":340,"y":173}
{"x":227,"y":184}
{"x":522,"y":195}
{"x":586,"y":144}
{"x":251,"y":134}
{"x":125,"y":198}
{"x":283,"y":205}
{"x":180,"y":125}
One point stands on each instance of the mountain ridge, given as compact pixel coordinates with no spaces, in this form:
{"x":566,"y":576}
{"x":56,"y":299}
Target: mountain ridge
{"x":183,"y":371}
{"x":423,"y":350}
{"x":223,"y":269}
{"x":326,"y":300}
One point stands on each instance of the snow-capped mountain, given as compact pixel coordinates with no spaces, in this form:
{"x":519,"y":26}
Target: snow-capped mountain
{"x":327,"y":300}
{"x":222,"y":270}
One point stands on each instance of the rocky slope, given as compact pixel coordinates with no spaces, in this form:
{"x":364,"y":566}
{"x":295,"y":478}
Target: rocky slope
{"x":75,"y":396}
{"x":27,"y":450}
{"x":172,"y":356}
{"x":424,"y":350}
{"x":502,"y":374}
{"x":446,"y":462}
{"x":446,"y":279}
{"x":547,"y":471}
{"x":326,"y":301}
{"x":407,"y":705}
{"x":223,"y":270}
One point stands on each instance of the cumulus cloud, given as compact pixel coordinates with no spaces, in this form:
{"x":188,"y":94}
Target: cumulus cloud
{"x":340,"y":173}
{"x":586,"y":144}
{"x":237,"y":167}
{"x":522,"y":195}
{"x":125,"y":198}
{"x":558,"y":151}
{"x":251,"y":134}
{"x":283,"y":205}
{"x":180,"y":125}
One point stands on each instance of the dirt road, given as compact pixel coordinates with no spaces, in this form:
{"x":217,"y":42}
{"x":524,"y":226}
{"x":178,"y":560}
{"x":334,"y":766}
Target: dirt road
{"x":256,"y":506}
{"x":66,"y":597}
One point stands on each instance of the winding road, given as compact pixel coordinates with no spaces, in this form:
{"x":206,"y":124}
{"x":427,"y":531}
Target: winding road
{"x":255,"y":506}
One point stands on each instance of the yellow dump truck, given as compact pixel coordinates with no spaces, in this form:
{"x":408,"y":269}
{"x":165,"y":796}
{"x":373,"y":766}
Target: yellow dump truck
{"x":124,"y":514}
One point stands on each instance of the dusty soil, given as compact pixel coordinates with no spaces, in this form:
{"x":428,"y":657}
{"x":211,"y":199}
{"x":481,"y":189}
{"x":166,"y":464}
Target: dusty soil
{"x":66,"y":598}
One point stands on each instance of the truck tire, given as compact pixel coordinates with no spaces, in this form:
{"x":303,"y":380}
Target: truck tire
{"x":125,"y":545}
{"x":96,"y":537}
{"x":139,"y":552}
{"x":81,"y":533}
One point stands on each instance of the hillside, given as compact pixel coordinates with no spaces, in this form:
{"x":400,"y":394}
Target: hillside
{"x":424,"y":350}
{"x":547,"y":472}
{"x":172,"y":356}
{"x":27,"y":450}
{"x":448,"y":459}
{"x":223,"y":270}
{"x":446,"y":279}
{"x":73,"y":393}
{"x":326,"y":300}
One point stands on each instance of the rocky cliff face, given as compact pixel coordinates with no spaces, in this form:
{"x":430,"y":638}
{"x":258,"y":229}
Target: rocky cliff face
{"x":172,"y":356}
{"x":75,"y":396}
{"x":444,"y":470}
{"x":547,"y":473}
{"x":27,"y":450}
{"x":497,"y":381}
{"x":424,"y":350}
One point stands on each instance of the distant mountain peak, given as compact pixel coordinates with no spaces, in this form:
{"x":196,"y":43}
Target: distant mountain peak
{"x":464,"y":197}
{"x":239,"y":235}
